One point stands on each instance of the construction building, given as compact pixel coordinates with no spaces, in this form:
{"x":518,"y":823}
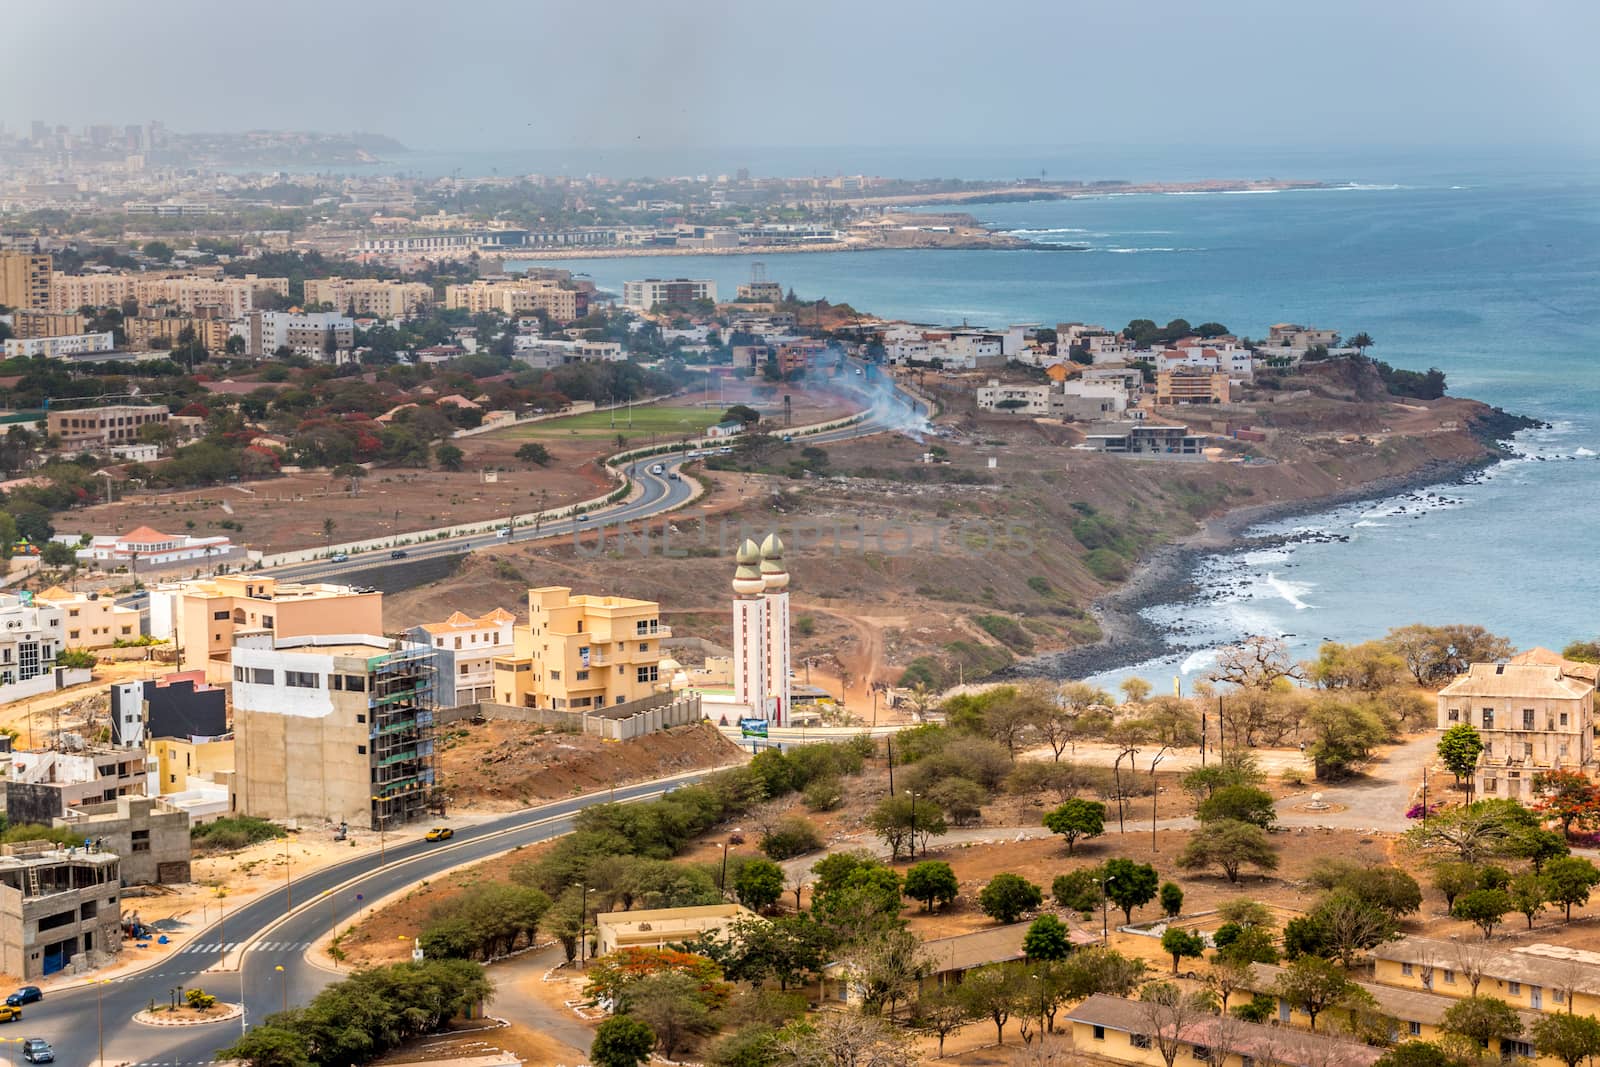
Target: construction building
{"x":150,"y":835}
{"x":202,"y":616}
{"x":43,"y":785}
{"x":1191,"y":385}
{"x":59,"y":908}
{"x":334,"y":728}
{"x":578,"y":653}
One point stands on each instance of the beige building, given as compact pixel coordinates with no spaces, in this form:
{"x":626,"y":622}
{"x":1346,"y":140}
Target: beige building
{"x":59,"y":910}
{"x":145,"y":332}
{"x":203,"y":616}
{"x":1191,"y":385}
{"x":150,"y":835}
{"x":1535,"y":713}
{"x":97,"y":427}
{"x":583,"y":652}
{"x":519,"y":296}
{"x":659,"y":927}
{"x":382,"y":299}
{"x":31,"y":324}
{"x":92,"y":620}
{"x":232,"y":297}
{"x":332,"y":729}
{"x":1124,"y":1031}
{"x":25,"y":280}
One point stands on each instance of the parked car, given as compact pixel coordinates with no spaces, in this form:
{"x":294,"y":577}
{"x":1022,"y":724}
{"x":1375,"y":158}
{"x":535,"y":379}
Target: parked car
{"x":26,"y":995}
{"x":440,"y":833}
{"x":341,"y":558}
{"x":38,"y":1050}
{"x":398,"y":553}
{"x":9,"y":1013}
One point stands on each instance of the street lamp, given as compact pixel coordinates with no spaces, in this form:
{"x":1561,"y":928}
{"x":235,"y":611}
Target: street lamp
{"x":1155,"y":794}
{"x":380,"y":820}
{"x":912,"y":794}
{"x":1105,"y":903}
{"x":288,"y":876}
{"x":285,"y":983}
{"x":722,"y":879}
{"x":99,"y":1013}
{"x":222,"y":930}
{"x":583,"y":921}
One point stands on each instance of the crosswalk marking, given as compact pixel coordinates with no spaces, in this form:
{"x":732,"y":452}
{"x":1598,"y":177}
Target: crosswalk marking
{"x":261,"y":946}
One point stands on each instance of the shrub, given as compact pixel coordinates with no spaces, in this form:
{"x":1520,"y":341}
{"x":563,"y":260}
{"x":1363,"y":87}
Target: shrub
{"x":1008,"y":896}
{"x":791,"y":836}
{"x":1007,"y":631}
{"x":1106,"y":565}
{"x":234,"y":832}
{"x":199,"y":1000}
{"x":825,"y":794}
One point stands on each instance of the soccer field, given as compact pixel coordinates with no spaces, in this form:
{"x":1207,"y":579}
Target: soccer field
{"x":652,"y":418}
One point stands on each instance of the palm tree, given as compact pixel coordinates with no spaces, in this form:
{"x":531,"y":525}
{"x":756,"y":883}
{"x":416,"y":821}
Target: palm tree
{"x":327,"y":530}
{"x":1361,"y":342}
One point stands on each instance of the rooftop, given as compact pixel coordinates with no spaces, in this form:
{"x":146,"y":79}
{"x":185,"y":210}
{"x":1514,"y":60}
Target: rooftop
{"x":1265,"y":1044}
{"x":1536,"y":964}
{"x":1528,"y":681}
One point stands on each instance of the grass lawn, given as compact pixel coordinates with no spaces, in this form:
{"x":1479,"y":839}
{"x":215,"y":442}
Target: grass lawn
{"x":653,"y":418}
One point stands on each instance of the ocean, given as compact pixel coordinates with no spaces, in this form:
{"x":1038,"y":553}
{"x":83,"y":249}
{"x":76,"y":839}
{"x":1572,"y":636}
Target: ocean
{"x":1493,"y":279}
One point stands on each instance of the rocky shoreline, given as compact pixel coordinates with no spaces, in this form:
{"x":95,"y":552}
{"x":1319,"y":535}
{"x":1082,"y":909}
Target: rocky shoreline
{"x":1167,"y":575}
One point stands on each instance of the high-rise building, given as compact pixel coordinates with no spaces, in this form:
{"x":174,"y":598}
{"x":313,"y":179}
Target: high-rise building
{"x":25,"y":280}
{"x":662,"y":292}
{"x":762,"y":650}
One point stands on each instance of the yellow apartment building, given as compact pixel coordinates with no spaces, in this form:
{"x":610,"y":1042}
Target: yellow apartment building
{"x":25,"y":280}
{"x":143,"y":332}
{"x":582,"y":652}
{"x":179,"y":758}
{"x":1536,"y":978}
{"x":382,"y":298}
{"x":518,"y":296}
{"x":92,"y":620}
{"x":27,"y":324}
{"x":1124,"y":1031}
{"x":202,"y":616}
{"x":1191,"y":385}
{"x":1532,"y":715}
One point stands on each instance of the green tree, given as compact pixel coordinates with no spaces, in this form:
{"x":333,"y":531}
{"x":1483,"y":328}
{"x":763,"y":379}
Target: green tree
{"x":901,"y":821}
{"x":1418,"y":1054}
{"x":1459,"y":749}
{"x":1178,"y":943}
{"x":1079,"y":890}
{"x":1569,"y":880}
{"x":1047,"y":939}
{"x":1008,"y":896}
{"x":1481,"y":1020}
{"x":1567,"y":1037}
{"x":1077,"y":819}
{"x":1313,"y":985}
{"x":1484,"y":908}
{"x":1453,"y":878}
{"x":932,"y":882}
{"x":622,"y":1041}
{"x":942,"y":1012}
{"x":535,"y":453}
{"x":759,"y":884}
{"x":1130,"y":885}
{"x":1529,"y":895}
{"x":996,"y":991}
{"x":1171,"y":900}
{"x":1230,"y":845}
{"x":1242,"y":802}
{"x":449,"y":457}
{"x":1097,"y":969}
{"x":673,"y":1006}
{"x":271,"y":1045}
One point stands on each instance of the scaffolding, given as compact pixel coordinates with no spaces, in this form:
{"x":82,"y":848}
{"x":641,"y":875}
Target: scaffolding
{"x":402,"y":689}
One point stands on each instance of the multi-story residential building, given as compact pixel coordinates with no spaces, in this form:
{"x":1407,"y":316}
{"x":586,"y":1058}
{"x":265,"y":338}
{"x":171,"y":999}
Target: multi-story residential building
{"x":1137,"y":438}
{"x":91,"y":620}
{"x":203,"y":616}
{"x":28,"y":324}
{"x":232,"y":298}
{"x":314,"y":334}
{"x":1015,"y":399}
{"x":59,"y":908}
{"x":1191,"y":385}
{"x":89,"y":428}
{"x":581,"y":652}
{"x":41,"y":786}
{"x":30,"y":636}
{"x":661,"y":292}
{"x":754,"y":292}
{"x":380,"y":298}
{"x":563,"y":302}
{"x":72,"y":344}
{"x":335,"y":728}
{"x":467,"y":647}
{"x":146,"y":332}
{"x":544,"y":353}
{"x":181,"y":704}
{"x":25,"y":280}
{"x":150,"y":835}
{"x":1533,"y":715}
{"x":183,"y":764}
{"x":1293,"y":335}
{"x":145,"y":549}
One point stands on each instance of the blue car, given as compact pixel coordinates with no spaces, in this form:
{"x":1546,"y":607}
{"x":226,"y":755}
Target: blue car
{"x":26,"y":995}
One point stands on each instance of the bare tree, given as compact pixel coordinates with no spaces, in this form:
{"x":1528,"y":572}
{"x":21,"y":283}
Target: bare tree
{"x":1227,"y":976}
{"x":1471,"y":958}
{"x":1257,"y":662}
{"x":888,"y":967}
{"x":1049,"y":1052}
{"x":1171,"y":1015}
{"x":847,"y":1039}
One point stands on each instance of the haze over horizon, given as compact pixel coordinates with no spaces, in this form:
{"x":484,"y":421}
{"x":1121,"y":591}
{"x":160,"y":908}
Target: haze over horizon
{"x":507,"y":77}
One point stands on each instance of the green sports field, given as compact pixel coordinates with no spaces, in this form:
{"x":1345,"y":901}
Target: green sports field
{"x":653,"y":418}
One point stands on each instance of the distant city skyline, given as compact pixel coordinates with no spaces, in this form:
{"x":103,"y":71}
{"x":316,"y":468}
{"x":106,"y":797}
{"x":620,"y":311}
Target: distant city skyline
{"x":510,"y":77}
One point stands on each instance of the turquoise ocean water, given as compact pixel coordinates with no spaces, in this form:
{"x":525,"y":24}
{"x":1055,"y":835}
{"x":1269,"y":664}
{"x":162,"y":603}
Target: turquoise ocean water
{"x":1494,"y":280}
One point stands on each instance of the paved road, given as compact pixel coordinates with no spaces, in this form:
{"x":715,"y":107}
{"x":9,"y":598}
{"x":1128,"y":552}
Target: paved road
{"x":265,"y":935}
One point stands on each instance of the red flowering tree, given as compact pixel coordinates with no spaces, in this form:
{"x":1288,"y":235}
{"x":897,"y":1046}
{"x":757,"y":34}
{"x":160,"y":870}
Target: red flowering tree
{"x":1567,"y":796}
{"x":610,"y":975}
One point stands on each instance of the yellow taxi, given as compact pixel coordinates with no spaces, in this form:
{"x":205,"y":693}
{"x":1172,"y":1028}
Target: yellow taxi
{"x":440,"y":833}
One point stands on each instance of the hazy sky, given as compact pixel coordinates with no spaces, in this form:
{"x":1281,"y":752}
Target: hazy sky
{"x":486,"y":74}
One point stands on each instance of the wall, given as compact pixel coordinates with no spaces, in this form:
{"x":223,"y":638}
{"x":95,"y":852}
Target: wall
{"x":621,"y":722}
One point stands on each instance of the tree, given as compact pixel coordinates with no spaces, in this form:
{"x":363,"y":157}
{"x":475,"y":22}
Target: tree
{"x":996,"y":991}
{"x":1568,"y":881}
{"x":1382,"y":886}
{"x":1343,"y":736}
{"x":844,"y":1039}
{"x":1230,"y":845}
{"x":1438,"y":653}
{"x":887,"y":967}
{"x":1179,"y":943}
{"x":1170,"y":1016}
{"x":535,"y":453}
{"x":1459,"y":749}
{"x":271,"y":1045}
{"x":671,"y":1004}
{"x":901,"y":821}
{"x":1351,"y":924}
{"x":1242,"y":802}
{"x":621,"y":1041}
{"x":1047,"y":939}
{"x":1481,"y":1020}
{"x":959,"y":800}
{"x":742,"y":413}
{"x":1454,"y":877}
{"x":1008,"y":896}
{"x":1529,"y":895}
{"x":1312,"y":985}
{"x":865,"y":901}
{"x":1257,"y":662}
{"x":1361,"y":342}
{"x":932,"y":882}
{"x":1417,"y":1054}
{"x":449,"y":457}
{"x":1079,"y":890}
{"x":1567,"y":1037}
{"x":1130,"y":885}
{"x":56,"y":554}
{"x":942,"y":1012}
{"x":1171,"y":898}
{"x":1567,"y":796}
{"x":1245,"y":944}
{"x":327,"y":530}
{"x":759,"y":884}
{"x":1077,"y":818}
{"x":1482,"y":829}
{"x":1098,"y":969}
{"x":1226,"y":975}
{"x":1483,"y":907}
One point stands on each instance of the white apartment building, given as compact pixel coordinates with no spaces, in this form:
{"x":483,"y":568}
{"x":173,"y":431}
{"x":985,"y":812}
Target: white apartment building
{"x":31,"y":634}
{"x":1212,"y":355}
{"x":1090,"y":401}
{"x":148,"y":549}
{"x":651,"y":292}
{"x":466,"y":648}
{"x":55,"y":347}
{"x":305,"y":333}
{"x":545,"y":353}
{"x":1015,"y":399}
{"x":953,"y":349}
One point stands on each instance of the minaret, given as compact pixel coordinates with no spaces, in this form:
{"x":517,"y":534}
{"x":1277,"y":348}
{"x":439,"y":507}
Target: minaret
{"x":749,"y":631}
{"x":775,"y":579}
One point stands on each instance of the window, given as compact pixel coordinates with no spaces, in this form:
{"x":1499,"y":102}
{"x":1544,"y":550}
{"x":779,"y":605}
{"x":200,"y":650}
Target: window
{"x":1558,"y":995}
{"x":1201,"y":1053}
{"x":263,"y":676}
{"x":1099,"y":1033}
{"x":581,"y":676}
{"x":648,"y":674}
{"x":361,"y":750}
{"x":355,"y":683}
{"x":1139,"y":1040}
{"x":1563,"y":718}
{"x":1405,"y":968}
{"x":220,"y":616}
{"x":458,"y":642}
{"x":1514,"y":988}
{"x":644,"y":646}
{"x":1491,"y":785}
{"x":360,"y":717}
{"x":1414,"y":1029}
{"x":1527,"y":718}
{"x":1488,"y":718}
{"x":72,"y":635}
{"x":555,"y":676}
{"x":141,"y":840}
{"x":463,"y":668}
{"x":1509,"y":1048}
{"x":302,"y":680}
{"x":1449,"y":976}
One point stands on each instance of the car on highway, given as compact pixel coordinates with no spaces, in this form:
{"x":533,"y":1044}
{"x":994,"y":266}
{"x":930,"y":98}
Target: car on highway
{"x":37,"y":1050}
{"x":398,"y":553}
{"x":9,"y":1013}
{"x":439,"y":833}
{"x":504,"y":531}
{"x":26,"y":995}
{"x":656,"y":468}
{"x":340,"y":558}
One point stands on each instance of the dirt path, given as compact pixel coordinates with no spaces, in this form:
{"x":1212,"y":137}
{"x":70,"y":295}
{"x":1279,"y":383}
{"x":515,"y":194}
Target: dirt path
{"x":532,"y":1005}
